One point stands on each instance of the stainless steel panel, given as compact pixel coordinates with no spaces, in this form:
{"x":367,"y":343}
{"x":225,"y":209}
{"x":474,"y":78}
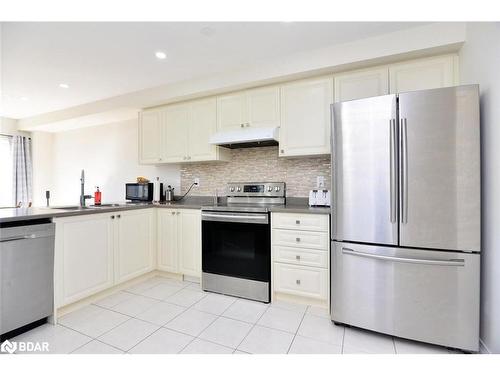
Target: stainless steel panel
{"x":26,"y":275}
{"x":235,"y":217}
{"x":250,"y":289}
{"x":440,"y":169}
{"x":364,"y":178}
{"x":424,"y":295}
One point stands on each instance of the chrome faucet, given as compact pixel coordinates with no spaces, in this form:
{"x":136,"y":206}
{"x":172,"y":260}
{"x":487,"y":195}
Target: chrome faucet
{"x":83,"y":197}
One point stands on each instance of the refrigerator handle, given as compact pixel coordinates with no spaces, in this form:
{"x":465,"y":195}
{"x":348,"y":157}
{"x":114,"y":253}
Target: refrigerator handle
{"x":404,"y":170}
{"x":393,"y":168}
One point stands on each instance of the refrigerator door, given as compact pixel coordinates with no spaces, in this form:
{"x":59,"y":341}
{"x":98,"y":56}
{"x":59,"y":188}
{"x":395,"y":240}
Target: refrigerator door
{"x":440,"y":168}
{"x":364,"y":170}
{"x":425,"y":295}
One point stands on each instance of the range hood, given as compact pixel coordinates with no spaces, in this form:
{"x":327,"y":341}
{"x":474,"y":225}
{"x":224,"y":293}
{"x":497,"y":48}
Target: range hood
{"x":248,"y":137}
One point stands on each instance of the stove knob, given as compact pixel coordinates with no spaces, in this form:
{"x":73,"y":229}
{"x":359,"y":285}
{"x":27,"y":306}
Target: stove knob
{"x":231,"y":189}
{"x":269,"y":188}
{"x":238,"y":189}
{"x":276,"y":188}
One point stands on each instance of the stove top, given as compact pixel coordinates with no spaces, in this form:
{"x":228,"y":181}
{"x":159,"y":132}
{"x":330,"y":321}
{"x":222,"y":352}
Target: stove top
{"x":251,"y":197}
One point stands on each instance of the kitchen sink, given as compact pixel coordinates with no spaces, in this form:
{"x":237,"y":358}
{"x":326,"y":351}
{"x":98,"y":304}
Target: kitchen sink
{"x":105,"y":205}
{"x":69,"y":208}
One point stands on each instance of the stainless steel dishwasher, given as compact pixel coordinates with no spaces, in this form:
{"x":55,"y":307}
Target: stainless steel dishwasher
{"x":26,"y":273}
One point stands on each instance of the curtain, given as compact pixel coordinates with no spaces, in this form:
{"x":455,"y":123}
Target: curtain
{"x":22,"y":170}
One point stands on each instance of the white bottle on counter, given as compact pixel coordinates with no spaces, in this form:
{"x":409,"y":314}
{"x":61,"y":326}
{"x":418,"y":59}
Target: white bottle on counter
{"x":156,"y":190}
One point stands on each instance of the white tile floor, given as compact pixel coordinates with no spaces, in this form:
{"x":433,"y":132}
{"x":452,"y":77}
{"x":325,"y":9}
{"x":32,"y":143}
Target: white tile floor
{"x":162,"y":315}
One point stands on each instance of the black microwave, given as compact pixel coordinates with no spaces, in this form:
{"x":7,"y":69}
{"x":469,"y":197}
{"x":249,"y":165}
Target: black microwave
{"x":139,"y":192}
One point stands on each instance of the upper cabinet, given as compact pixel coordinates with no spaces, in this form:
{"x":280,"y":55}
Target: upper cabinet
{"x":150,"y":138}
{"x":257,"y":107}
{"x":423,"y":74}
{"x":179,"y":133}
{"x":360,"y":84}
{"x":305,"y":117}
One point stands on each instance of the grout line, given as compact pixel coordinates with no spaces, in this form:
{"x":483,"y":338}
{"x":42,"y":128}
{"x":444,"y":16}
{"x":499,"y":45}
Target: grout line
{"x":297,"y":330}
{"x":343,"y":339}
{"x":394,"y":344}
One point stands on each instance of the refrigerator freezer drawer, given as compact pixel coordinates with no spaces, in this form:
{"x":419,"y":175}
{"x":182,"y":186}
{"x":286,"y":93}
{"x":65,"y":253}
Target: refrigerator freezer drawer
{"x":429,"y":296}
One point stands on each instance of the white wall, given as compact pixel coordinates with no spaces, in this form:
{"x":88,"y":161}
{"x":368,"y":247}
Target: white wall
{"x":480,"y":63}
{"x":108,"y":153}
{"x":42,"y":149}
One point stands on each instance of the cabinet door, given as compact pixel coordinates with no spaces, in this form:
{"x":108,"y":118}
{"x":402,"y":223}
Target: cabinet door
{"x":231,"y":110}
{"x":202,"y":124}
{"x":84,"y":256}
{"x":305,"y":117}
{"x":361,"y":84}
{"x":175,"y":133}
{"x":263,"y":106}
{"x":189,"y":242}
{"x":150,"y":124}
{"x":423,"y":74}
{"x":135,"y":242}
{"x":167,"y":240}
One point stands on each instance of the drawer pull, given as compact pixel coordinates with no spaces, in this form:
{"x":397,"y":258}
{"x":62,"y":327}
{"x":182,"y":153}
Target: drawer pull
{"x":297,"y":257}
{"x":297,"y":239}
{"x":297,"y":282}
{"x":297,"y":221}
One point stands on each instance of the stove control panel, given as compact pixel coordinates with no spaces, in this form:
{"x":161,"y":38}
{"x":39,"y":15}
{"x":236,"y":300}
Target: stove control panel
{"x":256,"y":189}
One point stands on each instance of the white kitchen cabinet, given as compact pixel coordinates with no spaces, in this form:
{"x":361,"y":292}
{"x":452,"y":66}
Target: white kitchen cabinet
{"x":179,"y":241}
{"x":84,"y":256}
{"x":360,"y":84}
{"x":305,"y":117}
{"x":135,"y":243}
{"x":167,"y":240}
{"x":422,"y":74}
{"x":175,"y":133}
{"x":249,"y":108}
{"x":189,"y":242}
{"x":150,"y":136}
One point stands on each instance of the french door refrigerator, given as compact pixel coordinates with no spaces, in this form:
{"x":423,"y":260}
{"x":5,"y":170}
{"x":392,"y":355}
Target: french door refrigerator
{"x":406,"y":215}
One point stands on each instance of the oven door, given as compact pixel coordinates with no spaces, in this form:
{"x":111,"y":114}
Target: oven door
{"x":237,"y":244}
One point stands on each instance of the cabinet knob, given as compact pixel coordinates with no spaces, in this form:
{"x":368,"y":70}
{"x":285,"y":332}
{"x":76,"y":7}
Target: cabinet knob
{"x":242,"y":125}
{"x":159,"y":159}
{"x":189,"y":157}
{"x":282,"y":151}
{"x":112,"y":216}
{"x":118,"y":216}
{"x":297,"y":239}
{"x":297,"y":282}
{"x":247,"y":124}
{"x":297,"y":257}
{"x":297,"y":221}
{"x":173,"y":213}
{"x":184,"y":158}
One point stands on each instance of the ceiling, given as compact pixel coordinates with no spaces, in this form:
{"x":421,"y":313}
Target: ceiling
{"x":102,"y":60}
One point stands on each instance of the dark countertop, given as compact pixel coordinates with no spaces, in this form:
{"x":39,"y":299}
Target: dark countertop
{"x":298,"y":205}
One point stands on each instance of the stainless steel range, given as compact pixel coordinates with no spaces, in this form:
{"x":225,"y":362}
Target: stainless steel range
{"x":236,"y":240}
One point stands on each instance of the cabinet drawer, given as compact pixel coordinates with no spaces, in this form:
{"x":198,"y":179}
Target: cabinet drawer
{"x":305,"y":257}
{"x":312,"y":222}
{"x":303,"y":281}
{"x":295,"y":238}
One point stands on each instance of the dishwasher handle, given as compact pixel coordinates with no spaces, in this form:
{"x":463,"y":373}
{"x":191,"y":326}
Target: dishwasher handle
{"x":17,"y":238}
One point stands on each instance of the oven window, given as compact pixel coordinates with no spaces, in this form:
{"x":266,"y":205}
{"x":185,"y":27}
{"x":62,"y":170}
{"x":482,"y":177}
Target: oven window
{"x":237,"y":249}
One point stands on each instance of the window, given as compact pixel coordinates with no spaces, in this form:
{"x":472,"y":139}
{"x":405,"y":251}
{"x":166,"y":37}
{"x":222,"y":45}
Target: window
{"x":6,"y":183}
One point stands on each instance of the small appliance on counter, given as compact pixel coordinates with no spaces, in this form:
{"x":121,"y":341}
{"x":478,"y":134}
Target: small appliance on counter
{"x":169,"y":194}
{"x":319,"y":197}
{"x":139,"y":192}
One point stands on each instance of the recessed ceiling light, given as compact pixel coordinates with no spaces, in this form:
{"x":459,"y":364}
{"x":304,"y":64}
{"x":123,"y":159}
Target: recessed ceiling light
{"x":160,"y":55}
{"x":64,"y":85}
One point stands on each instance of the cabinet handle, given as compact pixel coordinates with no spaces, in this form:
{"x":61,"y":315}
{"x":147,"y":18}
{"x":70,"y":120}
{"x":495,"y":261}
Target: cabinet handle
{"x":297,"y":257}
{"x":282,"y":151}
{"x":189,"y":157}
{"x":112,"y":216}
{"x":118,"y":216}
{"x":159,"y":159}
{"x":242,"y":125}
{"x":297,"y":239}
{"x":297,"y":221}
{"x":184,"y":158}
{"x":173,"y":213}
{"x":297,"y":282}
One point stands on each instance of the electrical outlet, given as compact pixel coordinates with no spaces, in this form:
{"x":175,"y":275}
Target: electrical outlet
{"x":320,"y":181}
{"x":197,"y":181}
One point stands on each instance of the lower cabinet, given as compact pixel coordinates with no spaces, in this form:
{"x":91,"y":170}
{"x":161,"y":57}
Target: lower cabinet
{"x":300,"y":256}
{"x":179,"y":241}
{"x":95,"y":252}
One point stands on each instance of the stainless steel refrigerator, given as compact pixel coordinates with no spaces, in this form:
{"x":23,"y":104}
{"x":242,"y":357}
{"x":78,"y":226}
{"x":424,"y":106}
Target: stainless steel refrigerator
{"x":405,"y":254}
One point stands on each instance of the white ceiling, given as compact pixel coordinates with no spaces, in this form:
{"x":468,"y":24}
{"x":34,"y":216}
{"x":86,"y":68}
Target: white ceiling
{"x":102,"y":60}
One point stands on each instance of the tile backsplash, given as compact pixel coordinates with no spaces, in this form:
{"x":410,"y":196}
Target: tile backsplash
{"x":259,"y":164}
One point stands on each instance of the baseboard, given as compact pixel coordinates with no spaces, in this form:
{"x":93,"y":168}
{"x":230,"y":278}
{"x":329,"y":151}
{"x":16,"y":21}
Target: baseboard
{"x":483,"y":349}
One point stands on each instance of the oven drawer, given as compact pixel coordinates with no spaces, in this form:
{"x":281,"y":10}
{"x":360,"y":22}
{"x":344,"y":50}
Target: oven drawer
{"x":304,"y":257}
{"x":295,"y":238}
{"x":299,"y":280}
{"x":313,"y":222}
